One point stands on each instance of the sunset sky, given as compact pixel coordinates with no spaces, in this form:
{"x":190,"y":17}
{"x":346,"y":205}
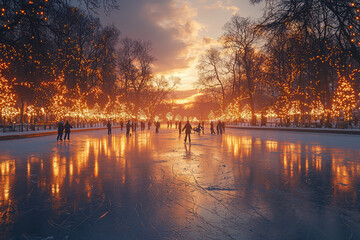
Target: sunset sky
{"x":179,"y":30}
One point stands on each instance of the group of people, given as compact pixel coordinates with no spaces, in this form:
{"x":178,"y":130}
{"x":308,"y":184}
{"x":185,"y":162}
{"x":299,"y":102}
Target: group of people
{"x":61,"y":129}
{"x":220,"y":128}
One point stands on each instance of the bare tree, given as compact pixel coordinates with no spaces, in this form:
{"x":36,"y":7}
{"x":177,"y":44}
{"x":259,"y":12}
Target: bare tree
{"x":135,"y":68}
{"x":157,"y":93}
{"x":241,"y":39}
{"x":214,"y":76}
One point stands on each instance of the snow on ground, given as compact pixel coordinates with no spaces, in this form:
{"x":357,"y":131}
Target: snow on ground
{"x":245,"y":184}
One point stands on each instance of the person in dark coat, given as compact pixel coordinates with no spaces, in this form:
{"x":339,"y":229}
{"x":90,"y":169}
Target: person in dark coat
{"x":60,"y":130}
{"x":67,"y":130}
{"x":219,"y":128}
{"x":179,"y":127}
{"x":187,"y":129}
{"x":109,"y":127}
{"x":223,"y":127}
{"x":157,"y":126}
{"x":128,"y":126}
{"x":212,"y":128}
{"x":149,"y":125}
{"x":121,"y":125}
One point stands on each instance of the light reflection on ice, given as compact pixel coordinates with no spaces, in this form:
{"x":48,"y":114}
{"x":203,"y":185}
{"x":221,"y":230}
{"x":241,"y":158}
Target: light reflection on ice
{"x":230,"y":186}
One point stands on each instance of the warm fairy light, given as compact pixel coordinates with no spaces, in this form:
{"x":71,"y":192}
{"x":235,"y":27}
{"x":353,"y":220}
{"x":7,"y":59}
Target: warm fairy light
{"x":7,"y":96}
{"x":169,"y":116}
{"x":317,"y":108}
{"x":178,"y":117}
{"x":344,"y":100}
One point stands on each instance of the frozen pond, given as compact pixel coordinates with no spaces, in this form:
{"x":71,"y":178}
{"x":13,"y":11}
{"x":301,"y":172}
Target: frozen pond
{"x":241,"y":185}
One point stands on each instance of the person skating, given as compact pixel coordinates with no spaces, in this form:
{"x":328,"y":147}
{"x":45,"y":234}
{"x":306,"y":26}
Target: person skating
{"x":219,"y":129}
{"x":60,"y":130}
{"x":203,"y":127}
{"x":149,"y":125}
{"x":157,"y":126}
{"x":109,"y":128}
{"x":199,"y":128}
{"x":121,"y":125}
{"x":212,"y":131}
{"x":179,"y":127}
{"x":187,"y":129}
{"x":67,"y":130}
{"x":128,"y":126}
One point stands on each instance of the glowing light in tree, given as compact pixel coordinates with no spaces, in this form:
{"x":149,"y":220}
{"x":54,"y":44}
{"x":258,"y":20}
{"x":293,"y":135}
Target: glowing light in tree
{"x":211,"y":116}
{"x":7,"y":96}
{"x":185,"y":119}
{"x":271,"y":113}
{"x":246,"y":113}
{"x":344,"y":99}
{"x":142,"y":115}
{"x":178,"y":117}
{"x":317,"y":108}
{"x":169,"y":116}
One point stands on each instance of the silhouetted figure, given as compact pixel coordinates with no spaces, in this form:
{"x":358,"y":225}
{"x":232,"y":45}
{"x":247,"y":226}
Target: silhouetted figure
{"x":67,"y":130}
{"x":157,"y":126}
{"x":168,"y":124}
{"x":128,"y":126}
{"x":109,"y":127}
{"x":203,"y":127}
{"x":187,"y":129}
{"x":60,"y":130}
{"x":176,"y":124}
{"x":199,"y":128}
{"x":212,"y":131}
{"x":149,"y":125}
{"x":121,"y":125}
{"x":179,"y":127}
{"x":219,"y":128}
{"x":223,"y":127}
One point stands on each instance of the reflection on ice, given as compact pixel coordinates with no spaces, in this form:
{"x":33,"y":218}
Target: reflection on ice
{"x":239,"y":185}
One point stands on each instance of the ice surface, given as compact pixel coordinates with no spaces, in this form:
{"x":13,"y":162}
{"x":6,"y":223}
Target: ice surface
{"x":245,"y":184}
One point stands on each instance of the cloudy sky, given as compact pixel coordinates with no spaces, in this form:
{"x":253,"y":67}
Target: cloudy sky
{"x":179,"y":30}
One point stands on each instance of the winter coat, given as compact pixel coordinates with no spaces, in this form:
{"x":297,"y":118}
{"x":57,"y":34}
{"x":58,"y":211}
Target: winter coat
{"x":67,"y":127}
{"x":187,"y":128}
{"x":61,"y":127}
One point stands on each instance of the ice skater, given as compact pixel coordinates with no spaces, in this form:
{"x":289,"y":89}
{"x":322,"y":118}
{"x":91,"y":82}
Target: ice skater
{"x":212,"y":131}
{"x":219,"y":128}
{"x":187,"y":129}
{"x":128,"y":126}
{"x":67,"y":130}
{"x":157,"y":126}
{"x":109,"y":128}
{"x":179,"y":127}
{"x":60,"y":130}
